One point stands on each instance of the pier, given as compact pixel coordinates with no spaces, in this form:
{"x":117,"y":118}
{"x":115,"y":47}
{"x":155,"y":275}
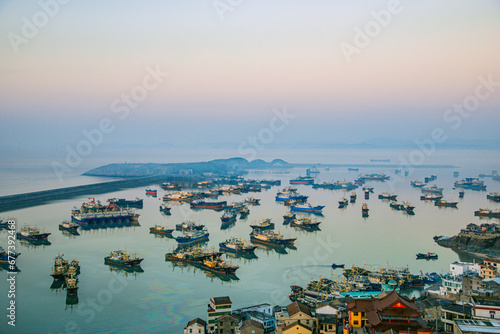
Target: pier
{"x":26,"y":200}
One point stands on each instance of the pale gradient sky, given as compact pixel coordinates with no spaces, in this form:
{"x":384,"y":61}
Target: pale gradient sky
{"x":225,"y":76}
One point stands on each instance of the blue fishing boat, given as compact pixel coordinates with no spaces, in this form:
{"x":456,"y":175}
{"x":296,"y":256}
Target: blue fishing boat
{"x":307,"y":208}
{"x":5,"y":257}
{"x":193,"y":237}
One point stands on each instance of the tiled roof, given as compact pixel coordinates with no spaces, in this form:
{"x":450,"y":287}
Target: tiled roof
{"x":221,"y":300}
{"x":296,"y":323}
{"x":297,"y":307}
{"x":250,"y":322}
{"x":197,"y":321}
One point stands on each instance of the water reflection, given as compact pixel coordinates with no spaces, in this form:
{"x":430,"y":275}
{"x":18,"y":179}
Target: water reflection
{"x":246,"y":257}
{"x":57,"y":285}
{"x":70,"y":234}
{"x":125,"y":271}
{"x":228,"y":225}
{"x":34,"y":243}
{"x":192,"y":268}
{"x":71,"y":300}
{"x":7,"y":267}
{"x":269,"y":248}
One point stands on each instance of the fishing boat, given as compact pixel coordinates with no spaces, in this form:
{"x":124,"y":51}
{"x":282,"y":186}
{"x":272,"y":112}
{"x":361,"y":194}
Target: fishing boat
{"x":165,"y":208}
{"x":193,"y":237}
{"x":152,"y":192}
{"x":60,"y":267}
{"x":290,"y":194}
{"x":343,"y":202}
{"x":487,"y":213}
{"x":430,"y":197}
{"x":442,"y":202}
{"x":264,"y":224}
{"x":335,"y":266}
{"x":93,"y":212}
{"x":235,"y":245}
{"x":6,"y":256}
{"x":302,"y":180}
{"x":189,"y":225}
{"x":123,"y":258}
{"x":368,"y":189}
{"x":417,"y":183}
{"x":494,"y":197}
{"x":344,"y":185}
{"x":374,"y":177}
{"x":289,"y":216}
{"x":395,"y":205}
{"x":158,"y":229}
{"x":218,"y":266}
{"x":170,"y":186}
{"x":427,"y":256}
{"x":236,"y":206}
{"x":359,"y":181}
{"x":71,"y":284}
{"x":353,"y":197}
{"x":228,"y":216}
{"x":364,"y":210}
{"x":388,"y":196}
{"x":461,"y":194}
{"x":472,"y":183}
{"x":252,"y":200}
{"x":432,"y":190}
{"x":32,"y":234}
{"x":270,"y":238}
{"x":406,"y":206}
{"x":199,"y":204}
{"x":191,"y":254}
{"x":134,"y":203}
{"x":73,"y":268}
{"x":244,"y":212}
{"x":305,"y":223}
{"x":68,"y":226}
{"x":352,"y":169}
{"x":324,"y":185}
{"x":307,"y":208}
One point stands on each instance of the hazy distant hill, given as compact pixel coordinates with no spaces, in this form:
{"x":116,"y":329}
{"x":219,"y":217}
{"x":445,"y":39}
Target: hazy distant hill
{"x":217,"y":167}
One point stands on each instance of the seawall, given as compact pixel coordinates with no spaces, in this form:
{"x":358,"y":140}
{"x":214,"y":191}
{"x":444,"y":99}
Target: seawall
{"x":19,"y":201}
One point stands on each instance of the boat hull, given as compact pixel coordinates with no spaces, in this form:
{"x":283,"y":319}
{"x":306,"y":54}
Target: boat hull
{"x":38,"y":237}
{"x":131,"y":263}
{"x":246,"y":250}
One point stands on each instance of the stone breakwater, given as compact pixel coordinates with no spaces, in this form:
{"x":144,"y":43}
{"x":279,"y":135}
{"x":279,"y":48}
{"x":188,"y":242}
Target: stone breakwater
{"x":19,"y":201}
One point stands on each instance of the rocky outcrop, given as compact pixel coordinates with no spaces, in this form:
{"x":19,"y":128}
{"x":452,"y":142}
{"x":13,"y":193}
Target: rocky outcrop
{"x":484,"y":243}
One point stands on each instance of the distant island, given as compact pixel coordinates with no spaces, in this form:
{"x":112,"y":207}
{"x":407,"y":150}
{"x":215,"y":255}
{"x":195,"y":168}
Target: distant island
{"x":223,"y":167}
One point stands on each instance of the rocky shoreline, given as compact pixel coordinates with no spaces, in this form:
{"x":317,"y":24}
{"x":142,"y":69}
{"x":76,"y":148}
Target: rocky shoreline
{"x":485,"y":244}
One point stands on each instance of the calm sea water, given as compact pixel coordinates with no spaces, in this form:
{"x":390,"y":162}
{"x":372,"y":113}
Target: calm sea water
{"x":165,"y":296}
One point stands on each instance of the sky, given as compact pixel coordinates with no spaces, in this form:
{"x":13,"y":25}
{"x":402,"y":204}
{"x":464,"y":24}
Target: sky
{"x":220,"y":71}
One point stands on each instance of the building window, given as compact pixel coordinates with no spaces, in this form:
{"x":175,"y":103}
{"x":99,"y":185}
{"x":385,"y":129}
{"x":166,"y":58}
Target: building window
{"x":355,"y":322}
{"x":329,"y":326}
{"x":355,"y":314}
{"x":492,"y":314}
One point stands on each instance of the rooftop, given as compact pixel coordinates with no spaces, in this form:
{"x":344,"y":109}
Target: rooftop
{"x":199,"y":321}
{"x":326,"y":318}
{"x":456,"y":308}
{"x":297,"y":307}
{"x":478,"y":326}
{"x":487,"y":302}
{"x":250,"y":322}
{"x":221,"y":300}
